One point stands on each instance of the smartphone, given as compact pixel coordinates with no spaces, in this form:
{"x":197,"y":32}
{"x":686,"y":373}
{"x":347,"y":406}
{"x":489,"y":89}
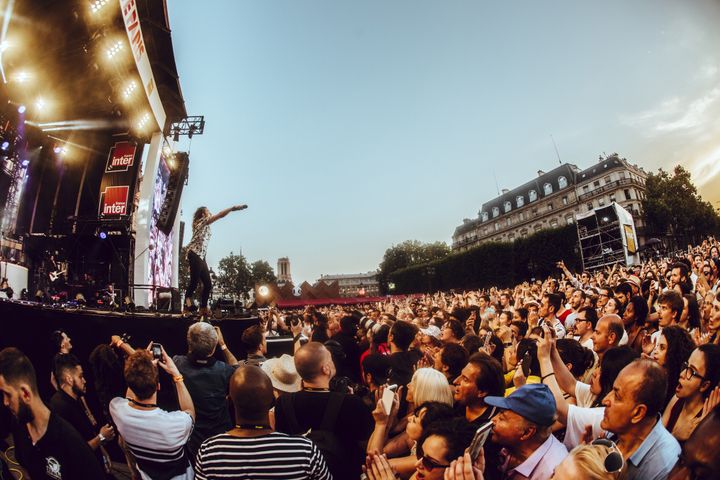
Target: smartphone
{"x":526,"y":361}
{"x":481,"y":436}
{"x":387,"y":398}
{"x":157,"y":351}
{"x":487,"y":338}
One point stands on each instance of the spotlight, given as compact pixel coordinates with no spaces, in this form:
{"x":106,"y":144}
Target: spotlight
{"x":97,"y":5}
{"x":40,"y":104}
{"x":143,"y":121}
{"x":21,"y":77}
{"x":5,"y":145}
{"x":129,"y":89}
{"x":263,"y":291}
{"x":167,"y":151}
{"x":21,"y":109}
{"x":102,"y":235}
{"x":114,"y":49}
{"x":4,"y":45}
{"x":25,"y":163}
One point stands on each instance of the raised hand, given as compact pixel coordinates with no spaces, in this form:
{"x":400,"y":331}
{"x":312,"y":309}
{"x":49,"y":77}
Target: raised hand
{"x":711,"y":402}
{"x":464,"y":469}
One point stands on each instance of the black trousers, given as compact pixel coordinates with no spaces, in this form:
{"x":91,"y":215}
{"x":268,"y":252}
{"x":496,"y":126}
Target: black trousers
{"x":199,"y":272}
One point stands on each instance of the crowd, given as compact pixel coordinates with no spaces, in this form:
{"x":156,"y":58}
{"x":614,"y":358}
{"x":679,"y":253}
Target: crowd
{"x":610,"y":374}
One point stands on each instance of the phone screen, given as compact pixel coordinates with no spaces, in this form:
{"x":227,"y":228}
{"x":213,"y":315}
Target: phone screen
{"x":387,"y":398}
{"x":481,"y":436}
{"x":157,"y":351}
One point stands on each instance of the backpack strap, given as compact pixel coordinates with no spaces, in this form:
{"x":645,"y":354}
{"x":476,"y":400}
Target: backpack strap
{"x":332,"y":411}
{"x":285,"y":401}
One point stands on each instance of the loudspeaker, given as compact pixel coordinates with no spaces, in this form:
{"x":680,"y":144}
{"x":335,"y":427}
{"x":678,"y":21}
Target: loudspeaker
{"x":168,"y":300}
{"x":176,"y":182}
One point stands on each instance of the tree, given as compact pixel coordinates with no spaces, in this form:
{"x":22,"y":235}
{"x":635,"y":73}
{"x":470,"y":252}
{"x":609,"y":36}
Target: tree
{"x":408,"y":254}
{"x":672,"y":207}
{"x":234,"y":276}
{"x":262,"y":272}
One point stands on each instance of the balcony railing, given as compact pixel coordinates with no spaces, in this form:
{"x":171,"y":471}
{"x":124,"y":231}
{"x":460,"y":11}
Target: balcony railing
{"x":608,"y":187}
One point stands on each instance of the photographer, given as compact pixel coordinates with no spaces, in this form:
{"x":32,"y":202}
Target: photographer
{"x":155,"y":437}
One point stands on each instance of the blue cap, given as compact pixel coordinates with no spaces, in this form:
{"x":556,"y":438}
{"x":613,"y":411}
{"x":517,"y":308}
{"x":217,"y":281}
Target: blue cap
{"x":534,"y":401}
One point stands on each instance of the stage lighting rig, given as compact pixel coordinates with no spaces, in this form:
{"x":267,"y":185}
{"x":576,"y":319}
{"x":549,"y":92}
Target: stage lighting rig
{"x":187,"y":126}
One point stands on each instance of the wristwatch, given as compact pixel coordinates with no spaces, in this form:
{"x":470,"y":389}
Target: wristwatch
{"x":101,"y":438}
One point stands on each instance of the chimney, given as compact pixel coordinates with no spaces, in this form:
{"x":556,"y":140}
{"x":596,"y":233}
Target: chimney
{"x":504,"y":191}
{"x":541,"y":173}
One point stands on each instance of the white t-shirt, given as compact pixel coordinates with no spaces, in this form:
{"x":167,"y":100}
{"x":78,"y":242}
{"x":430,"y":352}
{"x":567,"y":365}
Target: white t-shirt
{"x":155,"y":437}
{"x":577,"y":419}
{"x":624,"y":339}
{"x":583,"y":396}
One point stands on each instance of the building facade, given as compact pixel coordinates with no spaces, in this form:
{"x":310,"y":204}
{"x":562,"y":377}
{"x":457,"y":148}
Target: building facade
{"x":553,"y":199}
{"x":355,"y":285}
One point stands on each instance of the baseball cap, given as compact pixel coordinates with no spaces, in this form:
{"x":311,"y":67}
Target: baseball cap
{"x":432,"y":331}
{"x":533,"y":401}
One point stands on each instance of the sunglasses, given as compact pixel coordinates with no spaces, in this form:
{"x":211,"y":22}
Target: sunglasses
{"x":690,"y":372}
{"x":429,"y":464}
{"x":614,"y":461}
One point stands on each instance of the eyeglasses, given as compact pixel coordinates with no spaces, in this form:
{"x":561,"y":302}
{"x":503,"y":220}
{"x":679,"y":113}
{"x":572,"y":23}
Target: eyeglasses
{"x":614,"y":462}
{"x":430,"y":464}
{"x":690,"y":372}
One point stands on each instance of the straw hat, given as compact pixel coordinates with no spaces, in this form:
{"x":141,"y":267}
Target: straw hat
{"x":282,"y":373}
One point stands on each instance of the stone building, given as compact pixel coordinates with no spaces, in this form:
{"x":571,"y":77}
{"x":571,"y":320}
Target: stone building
{"x":553,"y":198}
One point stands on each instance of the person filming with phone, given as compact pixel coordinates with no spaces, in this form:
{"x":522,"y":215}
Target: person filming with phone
{"x":155,"y":437}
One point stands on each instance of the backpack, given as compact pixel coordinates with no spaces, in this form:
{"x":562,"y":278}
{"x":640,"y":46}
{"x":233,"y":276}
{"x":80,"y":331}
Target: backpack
{"x":324,"y":436}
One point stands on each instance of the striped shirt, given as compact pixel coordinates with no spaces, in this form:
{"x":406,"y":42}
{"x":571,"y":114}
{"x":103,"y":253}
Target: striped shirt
{"x":156,"y":439}
{"x":273,"y":456}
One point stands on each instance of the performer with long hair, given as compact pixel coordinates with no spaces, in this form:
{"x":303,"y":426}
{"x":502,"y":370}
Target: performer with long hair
{"x":197,"y":248}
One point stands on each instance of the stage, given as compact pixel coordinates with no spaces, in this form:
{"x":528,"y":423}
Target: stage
{"x":28,"y":325}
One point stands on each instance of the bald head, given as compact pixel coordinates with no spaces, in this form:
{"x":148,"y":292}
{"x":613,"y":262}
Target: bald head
{"x":251,"y":392}
{"x":615,"y":326}
{"x":312,"y":361}
{"x":650,"y":382}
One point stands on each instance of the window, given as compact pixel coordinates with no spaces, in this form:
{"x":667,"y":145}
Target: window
{"x":534,"y":212}
{"x":596,"y":183}
{"x":607,"y":179}
{"x":484,"y":216}
{"x":586,"y":188}
{"x":589,"y":206}
{"x":550,"y":207}
{"x":601,"y":201}
{"x":537,"y":227}
{"x":496,"y":211}
{"x":497,"y":226}
{"x":565,"y":200}
{"x":532,"y":195}
{"x":562,"y":182}
{"x":627,"y":194}
{"x":554,"y":222}
{"x":519,"y":201}
{"x":508,"y":206}
{"x":547,"y":188}
{"x":569,"y":219}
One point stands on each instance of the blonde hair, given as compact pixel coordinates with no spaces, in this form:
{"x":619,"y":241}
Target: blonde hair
{"x":590,"y":459}
{"x":431,"y":386}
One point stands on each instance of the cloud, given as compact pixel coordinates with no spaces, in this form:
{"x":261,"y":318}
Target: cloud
{"x":706,"y":168}
{"x":674,"y":116}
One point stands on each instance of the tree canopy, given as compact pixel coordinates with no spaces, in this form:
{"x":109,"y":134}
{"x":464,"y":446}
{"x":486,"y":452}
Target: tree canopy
{"x":672,"y":207}
{"x":407,"y":254}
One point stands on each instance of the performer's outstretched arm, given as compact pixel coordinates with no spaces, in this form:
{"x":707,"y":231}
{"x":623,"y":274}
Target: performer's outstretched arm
{"x":223,"y":213}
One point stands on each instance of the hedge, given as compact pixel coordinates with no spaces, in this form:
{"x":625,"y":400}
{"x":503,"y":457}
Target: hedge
{"x":502,"y":264}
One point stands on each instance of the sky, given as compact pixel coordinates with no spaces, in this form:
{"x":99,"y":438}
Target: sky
{"x":352,"y":126}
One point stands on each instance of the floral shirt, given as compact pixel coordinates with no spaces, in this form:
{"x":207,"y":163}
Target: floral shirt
{"x":200,"y":238}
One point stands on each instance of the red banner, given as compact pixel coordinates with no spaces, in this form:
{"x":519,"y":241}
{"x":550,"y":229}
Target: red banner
{"x":121,"y":158}
{"x":114,"y":200}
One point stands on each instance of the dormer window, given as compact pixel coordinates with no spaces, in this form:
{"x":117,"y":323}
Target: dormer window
{"x":507,"y":206}
{"x":547,"y":188}
{"x":484,"y":216}
{"x":562,"y":182}
{"x":496,"y":211}
{"x":532,"y":195}
{"x":520,"y":201}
